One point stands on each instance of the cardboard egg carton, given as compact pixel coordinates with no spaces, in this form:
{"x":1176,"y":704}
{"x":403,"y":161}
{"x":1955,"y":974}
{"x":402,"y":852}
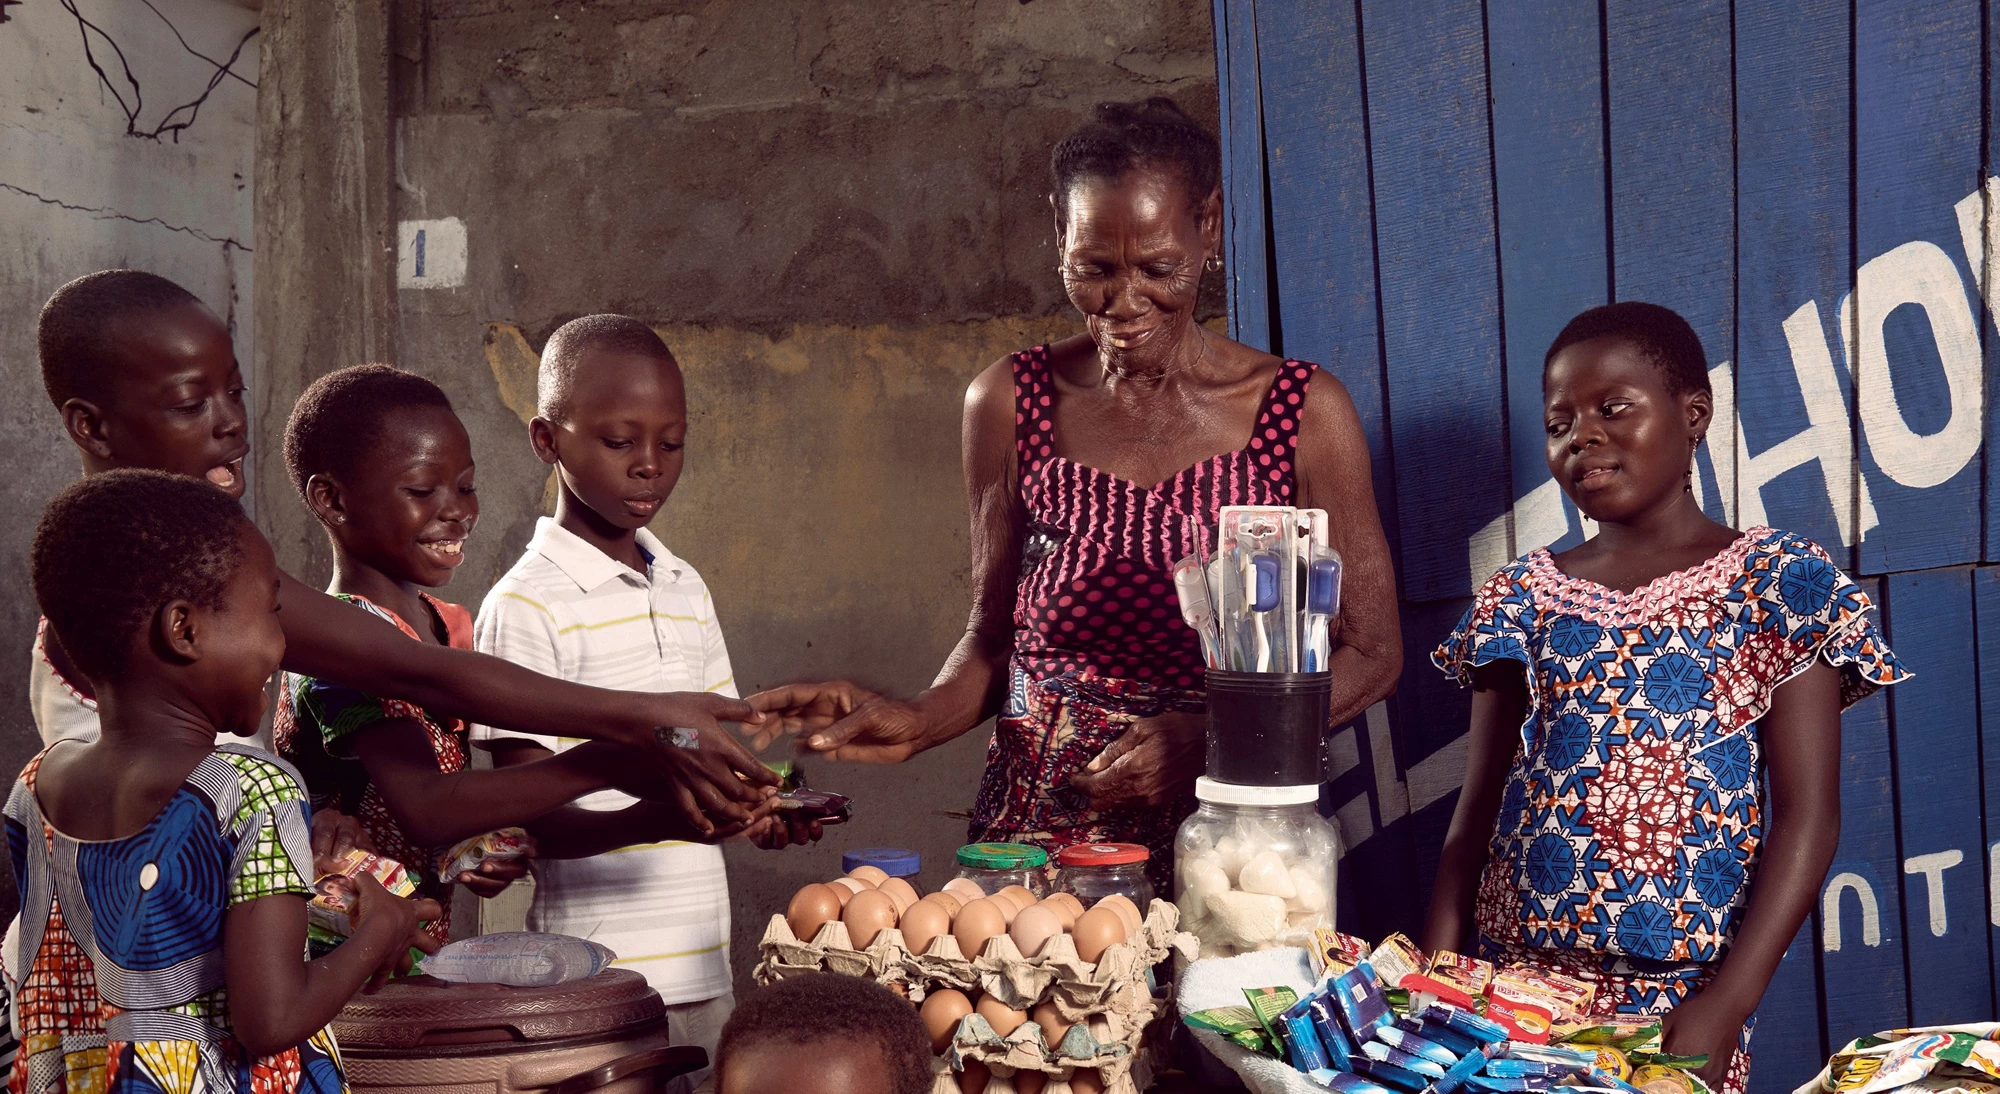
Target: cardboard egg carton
{"x":1098,"y":1044}
{"x":1077,"y":987}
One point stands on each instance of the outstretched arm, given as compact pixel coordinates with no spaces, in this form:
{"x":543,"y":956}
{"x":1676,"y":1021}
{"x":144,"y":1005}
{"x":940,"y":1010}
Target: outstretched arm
{"x":1800,"y":736}
{"x":1499,"y":705}
{"x":436,"y":808}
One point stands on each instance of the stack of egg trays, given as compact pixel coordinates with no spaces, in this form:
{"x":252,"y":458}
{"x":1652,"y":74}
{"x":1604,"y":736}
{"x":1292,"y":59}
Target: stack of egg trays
{"x":1109,"y":1001}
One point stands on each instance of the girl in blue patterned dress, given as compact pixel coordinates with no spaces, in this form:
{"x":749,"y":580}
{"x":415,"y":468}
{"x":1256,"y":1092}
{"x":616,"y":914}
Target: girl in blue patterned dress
{"x":164,"y":879}
{"x":1652,"y":789}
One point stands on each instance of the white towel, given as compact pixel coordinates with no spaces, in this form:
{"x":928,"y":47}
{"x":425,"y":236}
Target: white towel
{"x":1219,"y":982}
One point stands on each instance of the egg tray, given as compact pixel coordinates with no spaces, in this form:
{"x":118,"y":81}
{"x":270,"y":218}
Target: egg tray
{"x":1107,"y":1043}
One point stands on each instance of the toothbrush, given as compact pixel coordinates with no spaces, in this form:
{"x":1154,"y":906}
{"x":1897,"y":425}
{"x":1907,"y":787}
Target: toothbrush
{"x":1260,"y":579}
{"x":1322,"y":604}
{"x":1196,"y":610}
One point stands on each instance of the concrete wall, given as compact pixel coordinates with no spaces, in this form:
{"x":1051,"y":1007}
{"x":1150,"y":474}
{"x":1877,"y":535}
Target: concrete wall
{"x":78,"y":193}
{"x":835,"y":214}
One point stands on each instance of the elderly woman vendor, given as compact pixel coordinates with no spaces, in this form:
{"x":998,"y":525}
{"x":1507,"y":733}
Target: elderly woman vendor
{"x":1092,"y":464}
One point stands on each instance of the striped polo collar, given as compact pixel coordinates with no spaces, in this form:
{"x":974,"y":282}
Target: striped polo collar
{"x":589,"y":567}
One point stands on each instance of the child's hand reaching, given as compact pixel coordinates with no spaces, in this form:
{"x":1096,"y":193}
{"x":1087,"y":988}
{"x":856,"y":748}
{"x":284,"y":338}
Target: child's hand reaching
{"x":334,"y":834}
{"x":392,"y":922}
{"x":777,"y":832}
{"x":1708,"y":1023}
{"x":492,"y":876}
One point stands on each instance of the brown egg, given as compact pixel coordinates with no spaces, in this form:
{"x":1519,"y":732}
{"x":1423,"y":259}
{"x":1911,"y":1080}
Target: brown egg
{"x":1030,"y":1082}
{"x":1097,"y":930}
{"x":941,"y":1012}
{"x":922,"y":922}
{"x":850,"y":884}
{"x":980,"y":921}
{"x":902,"y":892}
{"x":1086,"y":1081}
{"x":1062,"y":910}
{"x":974,"y":1078}
{"x":1033,"y":928}
{"x":951,"y":901}
{"x":1127,"y":911}
{"x":1003,"y":1018}
{"x":966,"y":889}
{"x":810,"y":909}
{"x":872,"y":875}
{"x":1067,"y":900}
{"x":1019,"y":894}
{"x":841,"y":892}
{"x":868,"y":915}
{"x":1054,"y":1029}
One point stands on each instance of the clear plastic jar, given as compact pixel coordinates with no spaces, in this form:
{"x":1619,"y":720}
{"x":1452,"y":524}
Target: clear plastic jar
{"x":1092,"y":871}
{"x":995,"y":866}
{"x":1254,"y":867}
{"x":894,"y":861}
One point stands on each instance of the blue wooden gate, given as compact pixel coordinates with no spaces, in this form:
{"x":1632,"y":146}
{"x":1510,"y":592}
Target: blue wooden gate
{"x":1421,"y":192}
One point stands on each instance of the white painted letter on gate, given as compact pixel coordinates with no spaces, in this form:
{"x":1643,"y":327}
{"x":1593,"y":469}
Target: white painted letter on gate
{"x":1829,"y":907}
{"x":1919,"y":273}
{"x":1933,"y":866}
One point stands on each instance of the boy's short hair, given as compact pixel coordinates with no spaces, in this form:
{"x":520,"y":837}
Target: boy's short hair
{"x":1659,"y":333}
{"x":566,"y":347}
{"x":339,"y":417}
{"x":113,"y":547}
{"x":818,"y":1007}
{"x":77,"y":324}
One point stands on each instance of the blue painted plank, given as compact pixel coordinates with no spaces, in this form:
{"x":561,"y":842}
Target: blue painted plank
{"x":1936,"y":736}
{"x":1788,"y":1047}
{"x":1431,"y":167}
{"x":1861,"y":959}
{"x":1917,"y":153}
{"x":1986,"y":618}
{"x":1323,"y":218}
{"x":1244,"y":251}
{"x":1670,"y":73}
{"x":1793,"y":236}
{"x":1982,"y":214}
{"x":1548,"y":166}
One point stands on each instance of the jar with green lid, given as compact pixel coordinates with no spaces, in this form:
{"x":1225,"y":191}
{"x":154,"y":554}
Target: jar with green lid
{"x":995,"y":866}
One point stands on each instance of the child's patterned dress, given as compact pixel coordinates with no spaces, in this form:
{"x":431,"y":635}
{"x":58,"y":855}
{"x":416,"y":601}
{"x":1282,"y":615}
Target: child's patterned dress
{"x":1629,"y":828}
{"x":124,"y":991}
{"x":312,"y":727}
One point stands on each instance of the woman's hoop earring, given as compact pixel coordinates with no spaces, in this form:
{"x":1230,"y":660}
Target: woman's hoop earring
{"x":1212,"y":263}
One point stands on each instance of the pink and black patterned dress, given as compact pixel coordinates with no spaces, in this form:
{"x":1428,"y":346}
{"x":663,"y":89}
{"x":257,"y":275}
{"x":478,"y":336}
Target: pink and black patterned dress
{"x":1632,"y":820}
{"x":1098,"y":637}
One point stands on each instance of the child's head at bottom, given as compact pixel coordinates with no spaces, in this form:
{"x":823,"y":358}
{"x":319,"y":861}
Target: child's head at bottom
{"x":823,"y":1033}
{"x":1626,"y":402}
{"x":157,"y":583}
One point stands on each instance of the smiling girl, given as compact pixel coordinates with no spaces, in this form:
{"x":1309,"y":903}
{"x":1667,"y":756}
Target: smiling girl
{"x":386,"y":466}
{"x":1633,"y":699}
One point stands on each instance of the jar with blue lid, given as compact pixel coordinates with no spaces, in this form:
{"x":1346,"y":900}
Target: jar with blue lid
{"x":894,"y":861}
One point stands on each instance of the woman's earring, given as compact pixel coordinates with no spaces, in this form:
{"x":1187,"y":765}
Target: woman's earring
{"x":1212,"y":263}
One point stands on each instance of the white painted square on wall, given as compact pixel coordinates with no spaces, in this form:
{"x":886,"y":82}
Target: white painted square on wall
{"x":430,"y":254}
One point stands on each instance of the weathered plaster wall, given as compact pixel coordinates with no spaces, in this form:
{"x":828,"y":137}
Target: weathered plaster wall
{"x":835,"y":213}
{"x":78,"y":193}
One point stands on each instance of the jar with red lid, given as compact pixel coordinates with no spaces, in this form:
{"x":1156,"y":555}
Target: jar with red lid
{"x":1092,"y":871}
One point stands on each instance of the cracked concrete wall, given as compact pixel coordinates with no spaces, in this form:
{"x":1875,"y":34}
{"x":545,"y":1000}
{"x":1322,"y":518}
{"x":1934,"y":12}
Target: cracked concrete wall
{"x":78,"y":193}
{"x":835,"y":212}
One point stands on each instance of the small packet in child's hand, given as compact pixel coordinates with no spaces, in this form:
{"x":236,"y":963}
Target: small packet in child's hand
{"x":334,"y":893}
{"x":504,"y":845}
{"x":818,"y":805}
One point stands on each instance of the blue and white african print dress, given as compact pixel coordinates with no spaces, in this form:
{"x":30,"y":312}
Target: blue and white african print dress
{"x":124,"y":987}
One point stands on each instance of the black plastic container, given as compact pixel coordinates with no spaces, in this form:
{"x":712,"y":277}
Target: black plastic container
{"x":1268,"y":728}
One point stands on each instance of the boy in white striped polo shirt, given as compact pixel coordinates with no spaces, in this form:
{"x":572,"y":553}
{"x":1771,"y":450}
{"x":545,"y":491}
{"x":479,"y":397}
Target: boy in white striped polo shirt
{"x":597,"y":599}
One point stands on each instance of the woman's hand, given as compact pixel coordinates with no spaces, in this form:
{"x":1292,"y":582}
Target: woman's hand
{"x":1154,"y":762}
{"x":492,"y":876}
{"x":778,"y":831}
{"x":845,"y":721}
{"x":1706,"y":1024}
{"x":334,"y":834}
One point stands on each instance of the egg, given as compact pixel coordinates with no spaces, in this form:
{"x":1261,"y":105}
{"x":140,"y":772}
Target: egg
{"x":1127,"y":911}
{"x":874,"y":876}
{"x":810,"y":909}
{"x":1050,"y":1019}
{"x":841,"y":893}
{"x":1098,"y":930}
{"x":900,"y":891}
{"x":1062,"y":910}
{"x":1086,"y":1081}
{"x":1033,"y":928}
{"x":940,"y":1013}
{"x":850,"y":884}
{"x":980,"y":921}
{"x":1029,"y":1082}
{"x":1003,"y":1018}
{"x":974,"y":1078}
{"x":967,"y":889}
{"x":922,"y":922}
{"x":1019,"y":894}
{"x":868,"y":915}
{"x":952,"y":902}
{"x":1067,"y":900}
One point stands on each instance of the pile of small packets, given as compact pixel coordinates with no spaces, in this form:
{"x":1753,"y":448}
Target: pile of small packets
{"x":1393,"y":1021}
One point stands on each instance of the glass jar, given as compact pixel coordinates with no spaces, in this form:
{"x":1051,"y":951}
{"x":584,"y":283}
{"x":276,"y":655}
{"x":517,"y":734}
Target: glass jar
{"x":894,"y":861}
{"x":1092,"y":871}
{"x":1254,"y":867}
{"x":995,"y":866}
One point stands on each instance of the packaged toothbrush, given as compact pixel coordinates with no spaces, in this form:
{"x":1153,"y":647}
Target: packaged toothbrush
{"x":1260,"y":544}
